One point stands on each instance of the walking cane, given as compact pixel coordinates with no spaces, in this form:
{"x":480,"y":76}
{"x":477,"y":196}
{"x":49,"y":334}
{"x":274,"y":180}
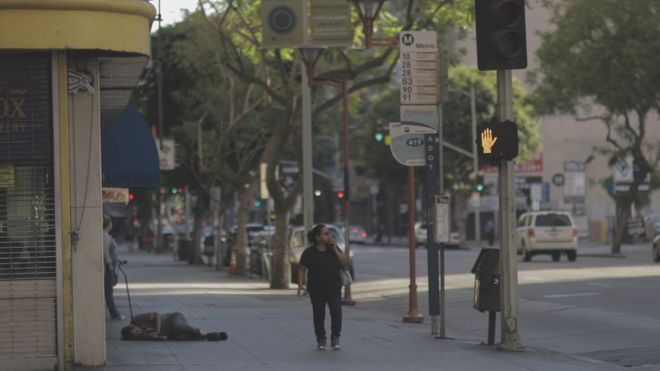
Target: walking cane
{"x":128,"y":293}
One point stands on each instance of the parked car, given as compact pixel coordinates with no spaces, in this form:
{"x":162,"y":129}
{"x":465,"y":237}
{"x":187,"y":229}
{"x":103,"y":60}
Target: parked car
{"x":420,"y":236}
{"x":656,"y":248}
{"x":547,"y":232}
{"x":357,"y":234}
{"x":298,"y":243}
{"x":651,"y":226}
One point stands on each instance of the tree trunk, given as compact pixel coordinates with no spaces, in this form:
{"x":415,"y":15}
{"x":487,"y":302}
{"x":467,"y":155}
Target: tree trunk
{"x":219,"y":242}
{"x":247,"y":198}
{"x":198,"y":211}
{"x":280,"y":278}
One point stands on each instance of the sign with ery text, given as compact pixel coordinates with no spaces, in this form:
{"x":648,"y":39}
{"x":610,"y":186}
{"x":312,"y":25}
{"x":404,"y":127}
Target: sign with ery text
{"x":408,"y":142}
{"x":25,"y":109}
{"x":419,"y":67}
{"x":167,"y":154}
{"x":114,"y":195}
{"x":423,"y":114}
{"x":331,"y":23}
{"x":441,"y":219}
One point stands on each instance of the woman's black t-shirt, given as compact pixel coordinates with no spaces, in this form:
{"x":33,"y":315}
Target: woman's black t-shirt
{"x":322,"y":267}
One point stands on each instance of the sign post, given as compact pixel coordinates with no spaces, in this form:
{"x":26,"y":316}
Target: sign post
{"x":419,"y":101}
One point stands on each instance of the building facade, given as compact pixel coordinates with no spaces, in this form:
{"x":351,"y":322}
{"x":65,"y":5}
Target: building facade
{"x":65,"y":66}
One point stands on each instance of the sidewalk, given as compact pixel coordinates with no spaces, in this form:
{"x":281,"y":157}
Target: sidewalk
{"x":272,"y":330}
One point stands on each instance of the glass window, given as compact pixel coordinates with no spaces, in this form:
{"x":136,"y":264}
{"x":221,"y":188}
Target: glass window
{"x":553,"y":220}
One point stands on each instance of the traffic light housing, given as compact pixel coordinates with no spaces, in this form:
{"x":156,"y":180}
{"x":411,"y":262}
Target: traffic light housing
{"x":497,"y":140}
{"x":501,"y":38}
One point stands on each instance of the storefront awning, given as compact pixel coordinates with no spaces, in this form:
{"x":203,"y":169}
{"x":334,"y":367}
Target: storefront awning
{"x":128,"y":152}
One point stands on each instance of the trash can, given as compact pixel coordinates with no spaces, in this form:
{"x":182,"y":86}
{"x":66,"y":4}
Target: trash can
{"x":185,"y":249}
{"x":486,"y":271}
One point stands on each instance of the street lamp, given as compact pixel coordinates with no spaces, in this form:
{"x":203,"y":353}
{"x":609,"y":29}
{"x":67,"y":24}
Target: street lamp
{"x":365,"y":9}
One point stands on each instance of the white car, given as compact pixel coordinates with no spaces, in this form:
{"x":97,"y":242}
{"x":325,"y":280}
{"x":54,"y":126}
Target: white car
{"x":547,"y":232}
{"x":420,"y":235}
{"x":357,"y":234}
{"x":298,"y":243}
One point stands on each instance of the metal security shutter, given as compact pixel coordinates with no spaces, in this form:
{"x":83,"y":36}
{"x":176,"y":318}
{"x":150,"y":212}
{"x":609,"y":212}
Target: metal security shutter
{"x":27,"y":211}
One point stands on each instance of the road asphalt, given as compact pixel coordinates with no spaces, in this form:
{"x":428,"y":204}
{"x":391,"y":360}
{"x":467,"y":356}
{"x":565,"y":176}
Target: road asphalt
{"x":272,"y":329}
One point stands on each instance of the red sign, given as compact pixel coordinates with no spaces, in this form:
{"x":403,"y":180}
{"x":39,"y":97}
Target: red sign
{"x":533,"y":165}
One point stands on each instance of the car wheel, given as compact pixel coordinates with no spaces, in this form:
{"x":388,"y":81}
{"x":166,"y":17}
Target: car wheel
{"x":656,"y":252}
{"x":527,"y":256}
{"x":572,"y":255}
{"x":555,"y":256}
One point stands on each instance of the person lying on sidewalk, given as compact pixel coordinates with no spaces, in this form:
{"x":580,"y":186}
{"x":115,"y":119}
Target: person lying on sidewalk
{"x":166,"y":326}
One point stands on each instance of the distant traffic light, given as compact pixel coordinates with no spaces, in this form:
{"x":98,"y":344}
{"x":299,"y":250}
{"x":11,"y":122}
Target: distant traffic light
{"x":497,"y":140}
{"x":379,"y":136}
{"x":341,"y":195}
{"x":479,"y":184}
{"x":257,"y":202}
{"x":501,"y":40}
{"x":131,"y":196}
{"x":173,"y":190}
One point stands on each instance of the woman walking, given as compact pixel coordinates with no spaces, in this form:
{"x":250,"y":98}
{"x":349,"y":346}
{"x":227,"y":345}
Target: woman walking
{"x":322,"y":261}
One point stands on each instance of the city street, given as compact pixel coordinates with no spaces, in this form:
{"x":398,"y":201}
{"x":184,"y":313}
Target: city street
{"x":597,"y":313}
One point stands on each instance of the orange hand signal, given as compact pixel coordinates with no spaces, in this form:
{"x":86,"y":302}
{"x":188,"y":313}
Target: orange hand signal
{"x":487,"y":141}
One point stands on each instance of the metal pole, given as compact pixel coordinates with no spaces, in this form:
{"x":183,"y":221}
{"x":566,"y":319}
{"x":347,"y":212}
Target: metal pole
{"x":308,"y":180}
{"x":308,"y":177}
{"x":510,"y":339}
{"x":347,"y":300}
{"x":159,"y":72}
{"x":413,"y":314}
{"x":475,"y":163}
{"x":441,"y":190}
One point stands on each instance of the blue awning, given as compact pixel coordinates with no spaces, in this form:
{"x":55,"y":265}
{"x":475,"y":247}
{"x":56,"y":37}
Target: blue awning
{"x":128,"y":152}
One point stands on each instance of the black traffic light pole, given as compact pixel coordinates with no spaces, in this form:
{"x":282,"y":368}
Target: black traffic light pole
{"x":501,"y":46}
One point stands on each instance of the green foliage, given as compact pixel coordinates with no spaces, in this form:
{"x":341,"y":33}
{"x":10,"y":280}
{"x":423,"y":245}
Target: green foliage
{"x":383,"y":107}
{"x":603,"y":51}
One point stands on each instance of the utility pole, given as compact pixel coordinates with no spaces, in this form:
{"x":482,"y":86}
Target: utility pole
{"x":510,"y":339}
{"x":159,"y":72}
{"x":475,"y":163}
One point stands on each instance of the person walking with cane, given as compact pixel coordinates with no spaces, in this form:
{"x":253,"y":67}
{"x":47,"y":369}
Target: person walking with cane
{"x":322,"y":261}
{"x":110,"y":262}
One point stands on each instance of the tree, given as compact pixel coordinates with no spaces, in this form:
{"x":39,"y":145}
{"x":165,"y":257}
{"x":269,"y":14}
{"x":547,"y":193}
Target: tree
{"x":600,"y":64}
{"x":237,"y":26}
{"x":216,"y":120}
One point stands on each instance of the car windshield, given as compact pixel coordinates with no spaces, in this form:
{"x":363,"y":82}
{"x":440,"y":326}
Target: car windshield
{"x":553,"y":220}
{"x":336,"y":235}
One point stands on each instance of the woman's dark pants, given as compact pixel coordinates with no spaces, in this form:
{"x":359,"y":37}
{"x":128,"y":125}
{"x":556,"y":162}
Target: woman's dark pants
{"x":321,"y":297}
{"x":108,"y":283}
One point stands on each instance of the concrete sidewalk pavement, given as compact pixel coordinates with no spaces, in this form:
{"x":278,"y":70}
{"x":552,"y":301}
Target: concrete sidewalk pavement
{"x":272,"y":329}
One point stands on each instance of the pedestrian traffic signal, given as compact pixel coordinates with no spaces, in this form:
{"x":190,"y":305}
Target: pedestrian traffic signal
{"x":497,"y":140}
{"x":501,"y":40}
